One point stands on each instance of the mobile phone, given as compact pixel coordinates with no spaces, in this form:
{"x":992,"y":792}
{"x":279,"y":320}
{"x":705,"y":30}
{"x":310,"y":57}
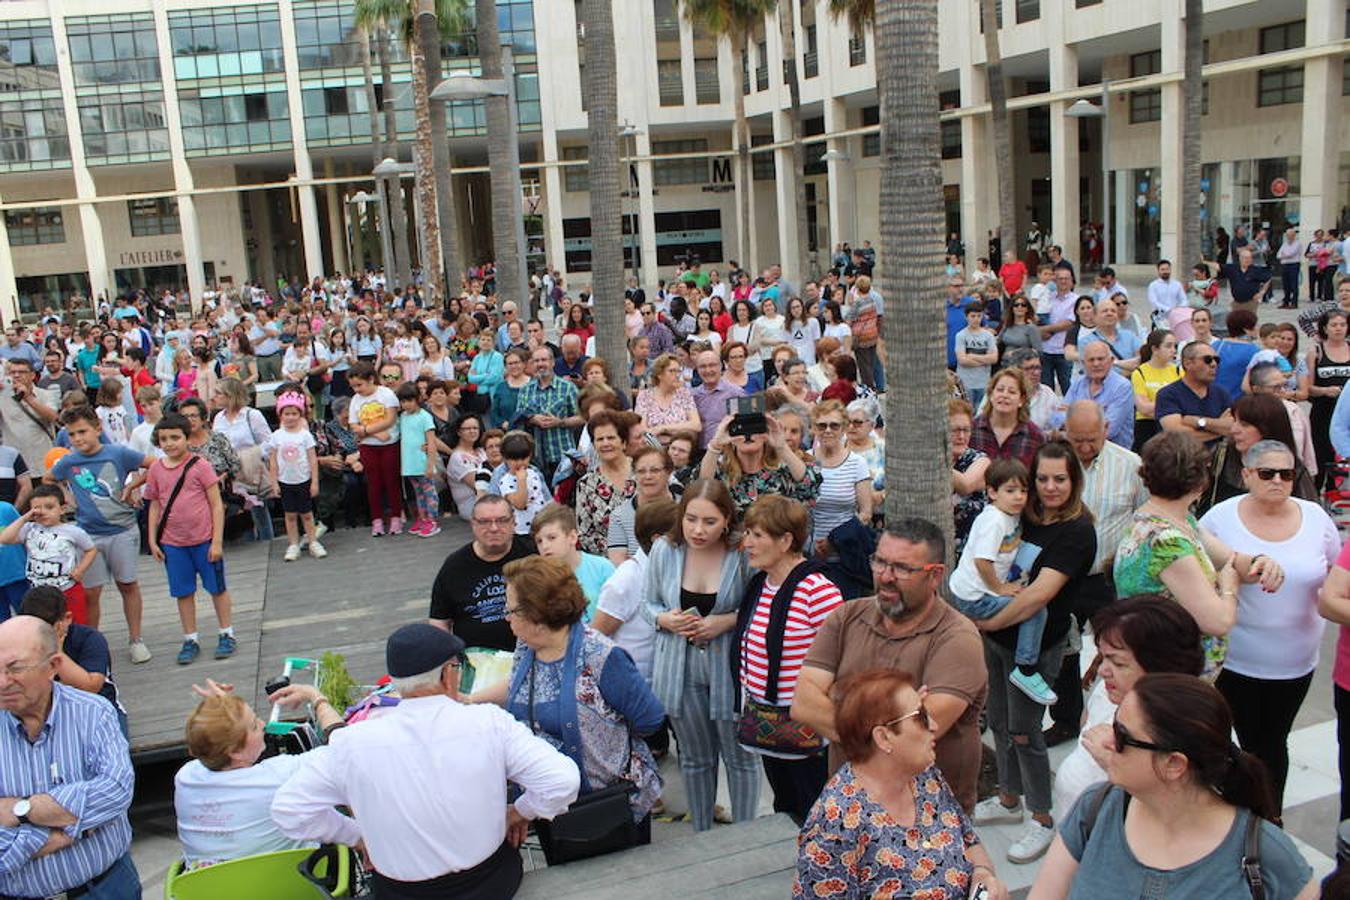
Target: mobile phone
{"x":979,"y":891}
{"x":747,"y":416}
{"x":692,"y":611}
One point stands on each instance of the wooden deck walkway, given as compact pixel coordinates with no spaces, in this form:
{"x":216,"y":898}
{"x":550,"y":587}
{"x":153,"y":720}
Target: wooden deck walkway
{"x":347,"y":603}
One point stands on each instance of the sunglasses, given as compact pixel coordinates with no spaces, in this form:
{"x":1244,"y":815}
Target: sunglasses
{"x":1285,"y":475}
{"x":1021,"y":305}
{"x":920,"y":713}
{"x":1208,"y":359}
{"x":829,"y":426}
{"x":1125,"y":739}
{"x":390,"y":377}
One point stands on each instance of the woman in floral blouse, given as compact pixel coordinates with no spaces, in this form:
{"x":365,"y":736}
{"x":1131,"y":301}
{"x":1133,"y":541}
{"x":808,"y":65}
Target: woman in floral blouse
{"x":759,"y":464}
{"x":887,"y":825}
{"x":605,"y":487}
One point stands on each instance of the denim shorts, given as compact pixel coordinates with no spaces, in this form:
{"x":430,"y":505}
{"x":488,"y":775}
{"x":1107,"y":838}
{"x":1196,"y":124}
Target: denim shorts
{"x":184,"y":564}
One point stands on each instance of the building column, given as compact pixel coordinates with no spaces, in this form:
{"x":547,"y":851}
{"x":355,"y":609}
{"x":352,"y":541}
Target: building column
{"x":9,"y":288}
{"x":337,"y":220}
{"x":555,"y":254}
{"x":839,"y":179}
{"x":1169,"y":137}
{"x":1064,"y":163}
{"x":977,"y":167}
{"x":189,"y":225}
{"x":785,"y":196}
{"x":260,"y":207}
{"x":1319,"y":174}
{"x":646,"y":213}
{"x":304,"y":167}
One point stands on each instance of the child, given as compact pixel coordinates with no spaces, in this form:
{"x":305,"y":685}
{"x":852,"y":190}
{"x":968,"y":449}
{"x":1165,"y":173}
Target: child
{"x":976,"y":353}
{"x":522,"y":484}
{"x":295,"y":474}
{"x":84,"y":663}
{"x":1203,"y":289}
{"x":1042,"y":294}
{"x":111,"y":412}
{"x":13,"y":568}
{"x":373,"y":416}
{"x":417,"y":452}
{"x":983,"y":584}
{"x":555,"y":534}
{"x":142,"y":436}
{"x":58,"y":554}
{"x":186,"y":529}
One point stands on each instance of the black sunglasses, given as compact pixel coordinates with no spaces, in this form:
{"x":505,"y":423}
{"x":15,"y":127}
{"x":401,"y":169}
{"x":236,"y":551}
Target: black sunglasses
{"x":1208,"y":359}
{"x":1286,"y":475}
{"x":1125,"y":739}
{"x":921,"y":713}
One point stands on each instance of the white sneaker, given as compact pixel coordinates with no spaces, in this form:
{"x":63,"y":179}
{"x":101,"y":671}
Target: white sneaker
{"x":292,"y":553}
{"x":316,"y":550}
{"x":320,"y":530}
{"x":1032,"y":843}
{"x":991,"y":811}
{"x":139,"y":652}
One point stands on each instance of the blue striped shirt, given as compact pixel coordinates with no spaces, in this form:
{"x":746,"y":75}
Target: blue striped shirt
{"x":81,"y":760}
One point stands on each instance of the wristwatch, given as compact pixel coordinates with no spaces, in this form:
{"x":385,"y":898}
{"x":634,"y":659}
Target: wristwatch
{"x":22,"y":807}
{"x":1202,"y":423}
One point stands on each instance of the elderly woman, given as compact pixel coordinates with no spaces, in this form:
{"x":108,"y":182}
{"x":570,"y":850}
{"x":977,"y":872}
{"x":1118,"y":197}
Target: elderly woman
{"x":752,"y":465}
{"x":1168,"y":552}
{"x":1181,"y":808}
{"x":507,"y":392}
{"x":248,"y":433}
{"x":651,"y":472}
{"x":695,"y":584}
{"x":223,"y":797}
{"x":736,"y":354}
{"x":864,"y":441}
{"x":667,"y":406}
{"x":1135,"y":636}
{"x":574,"y":688}
{"x":845,"y":479}
{"x":1273,"y":646}
{"x":213,"y":446}
{"x":606,"y":486}
{"x":1256,"y":417}
{"x":1003,"y":429}
{"x":887,"y":824}
{"x":785,"y":604}
{"x":968,"y":468}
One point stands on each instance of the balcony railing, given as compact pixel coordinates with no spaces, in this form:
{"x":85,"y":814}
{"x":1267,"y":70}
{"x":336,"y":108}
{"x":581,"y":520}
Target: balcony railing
{"x":810,"y":64}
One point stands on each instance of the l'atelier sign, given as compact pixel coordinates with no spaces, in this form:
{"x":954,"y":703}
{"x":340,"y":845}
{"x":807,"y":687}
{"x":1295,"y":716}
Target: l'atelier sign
{"x":148,"y":257}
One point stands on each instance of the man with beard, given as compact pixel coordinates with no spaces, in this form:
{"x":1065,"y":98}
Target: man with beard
{"x":906,"y":626}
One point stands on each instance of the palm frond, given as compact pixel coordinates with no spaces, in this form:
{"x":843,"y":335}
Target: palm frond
{"x":729,"y":18}
{"x":858,"y":12}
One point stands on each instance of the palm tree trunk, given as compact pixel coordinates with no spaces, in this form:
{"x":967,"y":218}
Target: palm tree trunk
{"x":911,"y":276}
{"x":429,"y":35}
{"x":424,"y":35}
{"x":1003,"y":156}
{"x":602,"y":103}
{"x":401,"y":271}
{"x":1192,"y":91}
{"x":744,"y":170}
{"x":787,"y":25}
{"x":505,"y":206}
{"x":376,"y":140}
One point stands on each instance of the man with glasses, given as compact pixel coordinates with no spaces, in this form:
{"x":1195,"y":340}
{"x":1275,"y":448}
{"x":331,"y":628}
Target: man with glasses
{"x":907,"y":626}
{"x":509,"y":313}
{"x":549,"y":405}
{"x":1194,"y":404}
{"x":468,"y":596}
{"x":712,"y":394}
{"x":65,"y":778}
{"x":659,"y":337}
{"x":1266,"y":378}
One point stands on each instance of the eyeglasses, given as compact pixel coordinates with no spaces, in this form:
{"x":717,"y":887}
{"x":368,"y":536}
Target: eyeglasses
{"x":853,"y":422}
{"x":1022,"y":305}
{"x":1208,"y":359}
{"x":1286,"y":475}
{"x":925,"y":721}
{"x":501,"y":522}
{"x":1125,"y":739}
{"x":390,"y":377}
{"x":829,"y":426}
{"x":14,"y":670}
{"x":899,"y":569}
{"x":960,"y":429}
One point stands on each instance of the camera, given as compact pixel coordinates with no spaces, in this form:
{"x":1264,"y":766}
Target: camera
{"x":748,"y":416}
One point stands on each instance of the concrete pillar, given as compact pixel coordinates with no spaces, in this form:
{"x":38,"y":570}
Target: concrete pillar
{"x":9,"y":289}
{"x":1169,"y":137}
{"x":304,"y":168}
{"x":1319,"y":188}
{"x":1122,"y":234}
{"x":260,"y":207}
{"x":190,"y":230}
{"x":840,"y":183}
{"x":1064,"y":185}
{"x":646,"y":214}
{"x":785,"y":197}
{"x":977,"y":168}
{"x":337,"y":220}
{"x":555,"y":256}
{"x":189,"y":225}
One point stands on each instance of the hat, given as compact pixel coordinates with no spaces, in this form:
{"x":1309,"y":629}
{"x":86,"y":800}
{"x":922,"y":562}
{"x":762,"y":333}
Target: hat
{"x":414,"y":649}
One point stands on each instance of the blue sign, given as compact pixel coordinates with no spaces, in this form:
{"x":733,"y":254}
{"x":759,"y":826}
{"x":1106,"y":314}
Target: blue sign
{"x":1143,"y":187}
{"x":1204,"y":184}
{"x":1153,"y":209}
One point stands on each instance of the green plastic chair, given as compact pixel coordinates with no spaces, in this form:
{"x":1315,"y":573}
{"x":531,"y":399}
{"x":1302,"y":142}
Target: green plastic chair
{"x":301,"y":874}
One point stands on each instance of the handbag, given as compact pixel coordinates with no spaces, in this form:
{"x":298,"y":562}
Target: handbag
{"x":597,"y":823}
{"x":770,"y":728}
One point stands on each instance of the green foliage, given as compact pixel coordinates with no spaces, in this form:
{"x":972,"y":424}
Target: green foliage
{"x":858,"y":12}
{"x":334,"y":681}
{"x":453,"y":17}
{"x":732,"y":18}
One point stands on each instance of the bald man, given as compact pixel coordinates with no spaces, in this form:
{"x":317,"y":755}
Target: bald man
{"x":65,"y":778}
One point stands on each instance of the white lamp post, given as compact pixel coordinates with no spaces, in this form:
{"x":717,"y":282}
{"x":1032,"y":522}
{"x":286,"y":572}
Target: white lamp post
{"x":1085,"y":109}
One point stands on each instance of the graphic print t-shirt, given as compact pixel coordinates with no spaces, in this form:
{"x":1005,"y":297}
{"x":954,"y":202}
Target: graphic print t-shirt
{"x":97,"y":483}
{"x":371,"y":410}
{"x":471,"y":593}
{"x":53,"y":552}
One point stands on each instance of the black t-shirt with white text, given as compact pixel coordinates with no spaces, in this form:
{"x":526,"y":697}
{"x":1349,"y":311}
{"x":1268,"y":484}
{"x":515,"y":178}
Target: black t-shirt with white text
{"x":471,"y":593}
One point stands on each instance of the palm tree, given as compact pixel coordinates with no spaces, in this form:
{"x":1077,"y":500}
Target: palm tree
{"x":425,"y":52}
{"x":601,"y":91}
{"x":1192,"y":92}
{"x":787,"y":26}
{"x":376,"y":140}
{"x":505,"y":205}
{"x":1003,"y":157}
{"x":911,"y":215}
{"x":735,"y":20}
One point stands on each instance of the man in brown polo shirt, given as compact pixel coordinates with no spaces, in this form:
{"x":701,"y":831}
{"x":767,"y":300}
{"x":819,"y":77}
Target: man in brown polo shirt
{"x":906,"y":626}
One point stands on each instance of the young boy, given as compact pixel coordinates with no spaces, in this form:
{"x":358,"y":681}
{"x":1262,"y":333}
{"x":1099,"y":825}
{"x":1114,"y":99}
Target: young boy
{"x":522,"y":484}
{"x":85,"y":662}
{"x":58,"y":554}
{"x":417,"y":452}
{"x":976,"y":353}
{"x":142,"y":436}
{"x":555,"y":534}
{"x":984,"y":581}
{"x":1042,"y":292}
{"x":186,"y":529}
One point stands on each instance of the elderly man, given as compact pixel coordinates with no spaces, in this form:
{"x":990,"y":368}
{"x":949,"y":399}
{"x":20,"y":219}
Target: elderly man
{"x":711,"y":396}
{"x":1044,"y":400}
{"x":427,"y":782}
{"x":1112,"y":491}
{"x":509,"y":313}
{"x":1194,"y":404}
{"x":1103,"y":385}
{"x":65,"y":778}
{"x":569,"y":364}
{"x":1266,"y":378}
{"x":659,"y":336}
{"x":905,"y":626}
{"x":28,"y":414}
{"x":1247,"y":281}
{"x":549,"y":404}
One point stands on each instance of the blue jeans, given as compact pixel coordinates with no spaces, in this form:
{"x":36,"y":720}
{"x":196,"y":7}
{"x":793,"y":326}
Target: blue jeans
{"x":976,"y":397}
{"x":263,"y":530}
{"x":120,"y":882}
{"x":11,"y":596}
{"x":1055,"y":366}
{"x":1029,"y":633}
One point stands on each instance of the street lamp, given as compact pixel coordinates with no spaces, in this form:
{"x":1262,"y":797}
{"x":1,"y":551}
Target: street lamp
{"x":391,"y":169}
{"x":1085,"y":109}
{"x":357,"y":240}
{"x":630,"y":132}
{"x":460,"y":86}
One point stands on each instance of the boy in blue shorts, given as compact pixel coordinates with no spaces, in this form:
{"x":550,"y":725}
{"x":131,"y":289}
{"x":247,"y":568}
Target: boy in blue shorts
{"x":186,"y":530}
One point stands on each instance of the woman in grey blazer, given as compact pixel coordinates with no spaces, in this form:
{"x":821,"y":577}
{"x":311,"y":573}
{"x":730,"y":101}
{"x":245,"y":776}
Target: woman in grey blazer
{"x":695,"y":581}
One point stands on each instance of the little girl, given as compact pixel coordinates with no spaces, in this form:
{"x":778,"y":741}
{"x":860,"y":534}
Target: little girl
{"x":295,"y":474}
{"x":407,"y":352}
{"x":112,"y":413}
{"x":185,"y":376}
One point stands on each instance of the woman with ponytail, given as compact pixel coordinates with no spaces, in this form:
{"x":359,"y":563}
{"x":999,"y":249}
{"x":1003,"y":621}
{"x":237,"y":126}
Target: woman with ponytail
{"x":1185,"y":813}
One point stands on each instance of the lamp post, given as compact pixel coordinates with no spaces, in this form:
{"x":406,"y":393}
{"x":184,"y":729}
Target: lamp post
{"x":461,"y":86}
{"x":392,"y":170}
{"x":1085,"y":109}
{"x":631,"y":132}
{"x":357,"y":236}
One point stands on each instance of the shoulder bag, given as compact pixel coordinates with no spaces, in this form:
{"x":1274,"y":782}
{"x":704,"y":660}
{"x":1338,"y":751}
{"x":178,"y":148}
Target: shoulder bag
{"x":192,"y":460}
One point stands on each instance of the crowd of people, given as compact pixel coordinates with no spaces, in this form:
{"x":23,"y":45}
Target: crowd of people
{"x":690,"y":543}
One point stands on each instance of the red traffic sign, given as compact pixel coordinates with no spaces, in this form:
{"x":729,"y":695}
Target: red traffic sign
{"x":1279,"y":187}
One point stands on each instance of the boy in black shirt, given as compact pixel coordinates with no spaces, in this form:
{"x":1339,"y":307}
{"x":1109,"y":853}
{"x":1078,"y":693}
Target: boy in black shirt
{"x":85,"y":662}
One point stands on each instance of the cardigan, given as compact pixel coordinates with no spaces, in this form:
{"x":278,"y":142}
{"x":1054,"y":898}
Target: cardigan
{"x":486,"y":372}
{"x":665,"y":573}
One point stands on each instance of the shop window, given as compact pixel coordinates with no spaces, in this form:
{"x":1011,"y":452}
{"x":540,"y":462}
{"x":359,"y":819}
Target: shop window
{"x":153,"y":216}
{"x":680,"y":171}
{"x":36,"y":225}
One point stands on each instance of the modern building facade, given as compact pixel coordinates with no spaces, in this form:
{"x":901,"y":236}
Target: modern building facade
{"x":150,"y":143}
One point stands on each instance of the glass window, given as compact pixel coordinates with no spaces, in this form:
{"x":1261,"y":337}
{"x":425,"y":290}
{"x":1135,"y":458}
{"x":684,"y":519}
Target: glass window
{"x":120,"y":127}
{"x":811,"y":55}
{"x":576,"y":178}
{"x":951,"y":139}
{"x":249,"y":116}
{"x":1149,"y":63}
{"x":670,"y":79}
{"x":29,"y":44}
{"x":871,"y":144}
{"x":1038,"y":129}
{"x":38,"y":225}
{"x":152,"y":216}
{"x":229,"y":40}
{"x":680,"y":171}
{"x":33,"y":134}
{"x":761,"y":164}
{"x":857,"y":49}
{"x":325,"y":35}
{"x":706,"y":86}
{"x":1288,"y":36}
{"x":1028,"y":10}
{"x":1145,"y":106}
{"x":1275,"y":87}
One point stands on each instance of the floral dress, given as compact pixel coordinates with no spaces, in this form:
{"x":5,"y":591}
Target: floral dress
{"x":966,"y":508}
{"x":597,"y":498}
{"x":778,"y":480}
{"x":851,"y":847}
{"x":1152,"y":544}
{"x":653,"y":413}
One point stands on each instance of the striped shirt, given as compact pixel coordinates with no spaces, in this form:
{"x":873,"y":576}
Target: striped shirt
{"x":814,"y":599}
{"x":80,"y":759}
{"x":837,"y":501}
{"x":1112,"y":491}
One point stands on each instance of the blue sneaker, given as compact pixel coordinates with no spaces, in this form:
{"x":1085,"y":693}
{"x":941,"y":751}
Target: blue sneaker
{"x":189,"y":652}
{"x":225,"y":646}
{"x":1034,"y":686}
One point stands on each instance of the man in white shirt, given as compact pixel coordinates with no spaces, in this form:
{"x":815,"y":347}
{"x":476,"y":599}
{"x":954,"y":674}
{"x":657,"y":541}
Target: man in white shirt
{"x":426,"y":782}
{"x":1164,"y":294}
